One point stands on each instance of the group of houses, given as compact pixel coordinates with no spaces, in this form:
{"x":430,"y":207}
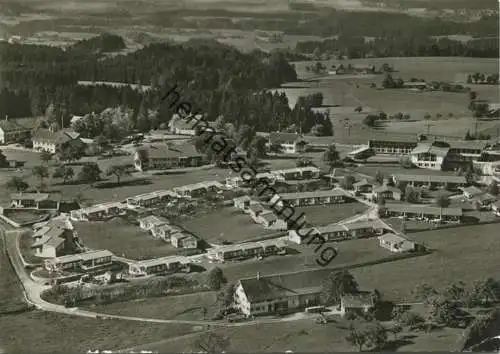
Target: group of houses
{"x":54,"y":238}
{"x":160,"y":228}
{"x":259,"y":213}
{"x":247,"y":250}
{"x":286,"y":175}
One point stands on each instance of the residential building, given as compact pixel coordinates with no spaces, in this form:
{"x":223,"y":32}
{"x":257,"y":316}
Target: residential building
{"x":11,"y":132}
{"x":363,"y":186}
{"x":337,"y":232}
{"x":358,"y":303}
{"x":151,"y":221}
{"x":269,"y":220}
{"x":418,"y":211}
{"x":471,"y":192}
{"x":426,"y":155}
{"x":242,"y":203}
{"x":393,"y":146}
{"x":198,"y":190}
{"x":247,"y":250}
{"x":274,"y":294}
{"x":165,"y":156}
{"x":181,"y":240}
{"x":54,"y":141}
{"x":333,"y":196}
{"x":87,"y":261}
{"x":290,"y":143}
{"x":431,"y":181}
{"x":416,"y":85}
{"x":43,"y":201}
{"x":396,"y":243}
{"x":361,"y":153}
{"x":98,"y":212}
{"x":254,"y":210}
{"x":164,"y":231}
{"x":299,"y":173}
{"x":157,"y":266}
{"x":53,"y":242}
{"x":152,"y":199}
{"x":385,"y":192}
{"x":187,"y":126}
{"x":239,"y":182}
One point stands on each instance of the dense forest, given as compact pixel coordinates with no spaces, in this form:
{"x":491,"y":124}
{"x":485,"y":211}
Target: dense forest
{"x":325,"y":23}
{"x":400,"y":46}
{"x":216,"y":79}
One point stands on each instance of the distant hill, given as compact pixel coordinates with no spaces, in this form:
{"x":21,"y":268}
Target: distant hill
{"x":104,"y":43}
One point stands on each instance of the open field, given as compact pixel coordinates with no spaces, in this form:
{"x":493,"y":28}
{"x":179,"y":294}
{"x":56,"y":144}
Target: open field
{"x":226,"y":224}
{"x":465,"y":253}
{"x":306,"y":336}
{"x":328,"y":214}
{"x":123,"y":239}
{"x":182,"y":307}
{"x":48,"y":333}
{"x":11,"y":293}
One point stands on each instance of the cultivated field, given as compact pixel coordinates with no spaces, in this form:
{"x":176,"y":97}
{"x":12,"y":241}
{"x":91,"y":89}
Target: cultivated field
{"x":123,"y":239}
{"x":48,"y":333}
{"x":465,"y":253}
{"x":226,"y":224}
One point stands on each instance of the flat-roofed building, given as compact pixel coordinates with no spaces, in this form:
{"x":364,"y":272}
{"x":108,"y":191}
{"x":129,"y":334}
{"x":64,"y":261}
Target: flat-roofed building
{"x":396,"y":243}
{"x":200,"y":189}
{"x":334,"y":196}
{"x":157,"y":266}
{"x":151,"y":199}
{"x":423,"y":212}
{"x":149,"y":222}
{"x":430,"y":181}
{"x":393,"y":146}
{"x":182,"y":240}
{"x":98,"y":212}
{"x":247,"y":250}
{"x":45,"y":201}
{"x":86,"y":261}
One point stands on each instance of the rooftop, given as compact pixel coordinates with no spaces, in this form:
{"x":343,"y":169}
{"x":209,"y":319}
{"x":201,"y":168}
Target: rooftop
{"x":161,"y":151}
{"x":282,"y":138}
{"x":86,"y":256}
{"x":431,"y":178}
{"x":153,"y":219}
{"x":423,"y":209}
{"x":200,"y":185}
{"x":358,"y":300}
{"x":314,"y":194}
{"x":393,"y":238}
{"x":57,"y":137}
{"x":10,"y":126}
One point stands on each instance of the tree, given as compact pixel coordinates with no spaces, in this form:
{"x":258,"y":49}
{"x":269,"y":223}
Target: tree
{"x":90,"y":173}
{"x":336,"y":285}
{"x":376,"y":335}
{"x":118,"y":171}
{"x":64,"y":172}
{"x":443,"y":201}
{"x":379,"y":177}
{"x":331,"y":156}
{"x":405,"y":161}
{"x":370,"y":120}
{"x":472,"y":96}
{"x":493,"y":188}
{"x":227,"y":296}
{"x":358,"y":109}
{"x":444,"y":311}
{"x":45,"y":157}
{"x":41,"y":172}
{"x":275,"y":148}
{"x":455,"y":292}
{"x":348,"y":182}
{"x":408,"y":318}
{"x":395,"y":330}
{"x":215,"y":278}
{"x":102,"y":142}
{"x":484,"y":292}
{"x":18,"y":184}
{"x":424,"y":292}
{"x":411,"y":195}
{"x":357,"y":339}
{"x":258,"y":146}
{"x":72,"y":153}
{"x":212,"y":343}
{"x":304,"y":161}
{"x":381,"y":201}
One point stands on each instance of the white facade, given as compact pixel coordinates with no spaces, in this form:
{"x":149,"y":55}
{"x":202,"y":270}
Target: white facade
{"x":44,"y":146}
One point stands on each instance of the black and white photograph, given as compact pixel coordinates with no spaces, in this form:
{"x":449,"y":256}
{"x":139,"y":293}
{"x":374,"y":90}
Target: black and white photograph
{"x":249,"y":176}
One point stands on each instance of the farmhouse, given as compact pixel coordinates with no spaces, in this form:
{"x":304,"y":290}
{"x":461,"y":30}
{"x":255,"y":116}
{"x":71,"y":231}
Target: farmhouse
{"x":333,"y":196}
{"x":423,"y":212}
{"x":164,"y":231}
{"x":197,"y":190}
{"x":151,"y":221}
{"x":247,"y":250}
{"x":54,"y":141}
{"x":242,"y":203}
{"x":186,"y":126}
{"x":386,"y":193}
{"x":357,"y":303}
{"x":42,"y":201}
{"x":180,"y":240}
{"x":269,"y":220}
{"x":275,"y":294}
{"x":98,"y":212}
{"x":394,"y":146}
{"x":11,"y":132}
{"x":148,"y":200}
{"x":338,"y":232}
{"x":396,"y":243}
{"x":164,"y":157}
{"x":290,"y":143}
{"x":238,"y":181}
{"x":156,"y":266}
{"x":363,"y":186}
{"x":431,"y":181}
{"x":87,"y":261}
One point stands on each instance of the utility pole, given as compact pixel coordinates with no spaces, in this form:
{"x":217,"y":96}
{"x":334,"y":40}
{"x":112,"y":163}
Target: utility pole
{"x":428,"y":128}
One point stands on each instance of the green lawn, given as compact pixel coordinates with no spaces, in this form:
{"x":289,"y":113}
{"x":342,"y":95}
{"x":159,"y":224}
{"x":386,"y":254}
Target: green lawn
{"x":465,"y":253}
{"x":123,"y":239}
{"x":330,"y":214}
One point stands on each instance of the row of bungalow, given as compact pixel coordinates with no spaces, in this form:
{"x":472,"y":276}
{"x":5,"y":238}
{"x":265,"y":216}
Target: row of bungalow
{"x":334,"y":196}
{"x":160,"y":228}
{"x":292,"y":174}
{"x":247,"y":250}
{"x":86,"y":262}
{"x":416,"y":211}
{"x":157,"y":266}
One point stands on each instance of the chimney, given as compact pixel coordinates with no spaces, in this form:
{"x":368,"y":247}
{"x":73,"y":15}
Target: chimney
{"x":258,"y":275}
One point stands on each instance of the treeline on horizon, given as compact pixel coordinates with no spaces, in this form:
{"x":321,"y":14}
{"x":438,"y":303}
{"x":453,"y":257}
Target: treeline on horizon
{"x":401,"y":46}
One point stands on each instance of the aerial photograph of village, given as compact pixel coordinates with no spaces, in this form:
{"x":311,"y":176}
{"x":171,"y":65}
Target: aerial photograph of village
{"x":249,"y":176}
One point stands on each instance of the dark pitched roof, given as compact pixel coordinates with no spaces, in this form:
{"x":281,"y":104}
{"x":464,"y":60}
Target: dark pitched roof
{"x":58,"y":137}
{"x":270,"y":287}
{"x":10,"y":126}
{"x":357,"y":300}
{"x":281,"y":138}
{"x":172,"y":151}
